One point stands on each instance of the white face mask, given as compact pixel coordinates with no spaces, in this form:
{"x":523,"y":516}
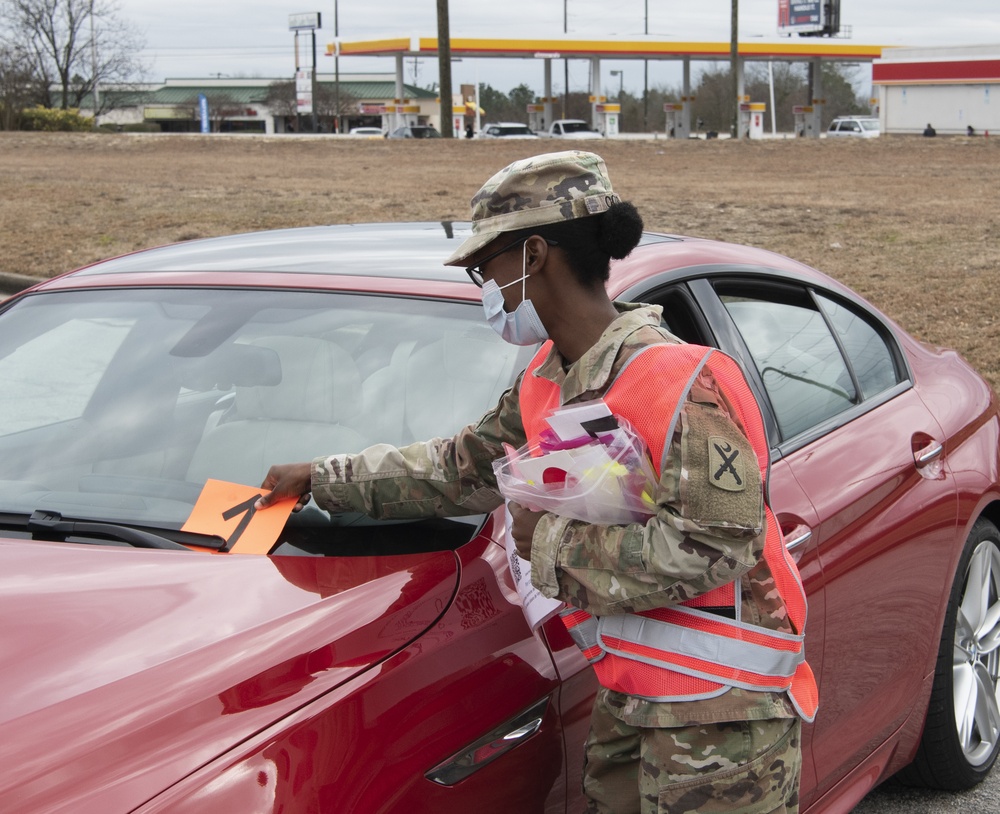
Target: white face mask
{"x":523,"y":326}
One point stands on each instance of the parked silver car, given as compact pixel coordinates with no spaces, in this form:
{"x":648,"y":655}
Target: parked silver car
{"x":507,"y":130}
{"x":854,"y":127}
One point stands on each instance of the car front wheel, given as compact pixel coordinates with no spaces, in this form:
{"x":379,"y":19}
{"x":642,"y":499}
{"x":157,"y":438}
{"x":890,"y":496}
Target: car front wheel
{"x":962,"y":734}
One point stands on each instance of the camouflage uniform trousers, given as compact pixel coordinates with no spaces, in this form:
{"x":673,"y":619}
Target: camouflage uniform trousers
{"x":740,"y":767}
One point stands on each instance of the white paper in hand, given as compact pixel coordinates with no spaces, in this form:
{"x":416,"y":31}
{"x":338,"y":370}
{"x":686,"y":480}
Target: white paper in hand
{"x":537,"y":608}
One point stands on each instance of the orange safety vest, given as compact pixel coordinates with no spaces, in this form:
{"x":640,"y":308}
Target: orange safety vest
{"x":682,"y":652}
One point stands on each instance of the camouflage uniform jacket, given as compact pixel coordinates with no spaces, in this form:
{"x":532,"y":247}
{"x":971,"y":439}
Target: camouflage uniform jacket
{"x":701,"y":538}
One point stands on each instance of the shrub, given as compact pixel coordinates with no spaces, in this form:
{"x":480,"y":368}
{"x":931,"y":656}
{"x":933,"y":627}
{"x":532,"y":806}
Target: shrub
{"x":52,"y":119}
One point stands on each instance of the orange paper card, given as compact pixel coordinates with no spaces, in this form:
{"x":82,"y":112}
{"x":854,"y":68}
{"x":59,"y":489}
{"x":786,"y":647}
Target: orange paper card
{"x":227,"y":510}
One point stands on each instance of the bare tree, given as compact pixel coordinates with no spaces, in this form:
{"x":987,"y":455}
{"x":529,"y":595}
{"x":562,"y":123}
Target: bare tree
{"x":281,"y":99}
{"x":76,"y":44}
{"x":20,"y":87}
{"x":326,"y":107}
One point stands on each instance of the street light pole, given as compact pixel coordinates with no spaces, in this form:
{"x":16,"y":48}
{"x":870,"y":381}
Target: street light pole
{"x":95,"y":92}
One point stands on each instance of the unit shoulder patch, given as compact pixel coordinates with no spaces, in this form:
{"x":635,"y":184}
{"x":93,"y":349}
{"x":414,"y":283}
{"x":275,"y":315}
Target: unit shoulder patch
{"x":726,"y":465}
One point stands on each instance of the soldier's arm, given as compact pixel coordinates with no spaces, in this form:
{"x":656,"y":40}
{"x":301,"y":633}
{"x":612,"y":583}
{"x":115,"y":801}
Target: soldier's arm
{"x":708,"y":530}
{"x":440,"y":477}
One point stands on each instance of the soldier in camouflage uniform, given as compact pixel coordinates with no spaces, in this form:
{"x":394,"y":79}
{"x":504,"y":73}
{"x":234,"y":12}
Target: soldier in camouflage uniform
{"x":545,"y":229}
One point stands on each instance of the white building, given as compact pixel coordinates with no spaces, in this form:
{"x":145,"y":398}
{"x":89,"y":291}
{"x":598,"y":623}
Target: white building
{"x":950,"y":88}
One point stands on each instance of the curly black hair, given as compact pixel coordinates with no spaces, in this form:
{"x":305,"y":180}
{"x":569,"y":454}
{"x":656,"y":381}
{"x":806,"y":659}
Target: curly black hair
{"x":590,"y":243}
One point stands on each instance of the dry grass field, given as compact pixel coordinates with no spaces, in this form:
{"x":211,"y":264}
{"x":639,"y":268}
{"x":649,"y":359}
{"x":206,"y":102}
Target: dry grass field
{"x":912,"y":224}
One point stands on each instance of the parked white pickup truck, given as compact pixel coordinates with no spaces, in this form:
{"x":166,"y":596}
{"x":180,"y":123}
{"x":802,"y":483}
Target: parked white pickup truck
{"x":571,"y":128}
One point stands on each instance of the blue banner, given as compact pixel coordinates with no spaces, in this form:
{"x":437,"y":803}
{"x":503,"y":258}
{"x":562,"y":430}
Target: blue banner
{"x":203,"y":112}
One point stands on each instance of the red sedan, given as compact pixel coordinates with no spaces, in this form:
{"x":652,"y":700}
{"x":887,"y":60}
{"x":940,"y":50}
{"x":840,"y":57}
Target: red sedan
{"x":155,"y":664}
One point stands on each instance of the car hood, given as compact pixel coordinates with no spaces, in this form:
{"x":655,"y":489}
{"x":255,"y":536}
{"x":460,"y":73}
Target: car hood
{"x":125,"y":670}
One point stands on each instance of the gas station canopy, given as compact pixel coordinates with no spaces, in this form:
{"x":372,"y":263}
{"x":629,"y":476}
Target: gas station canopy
{"x":563,"y":48}
{"x":605,"y":118}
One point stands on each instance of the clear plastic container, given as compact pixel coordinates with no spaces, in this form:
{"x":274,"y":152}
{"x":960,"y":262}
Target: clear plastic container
{"x":606,"y":478}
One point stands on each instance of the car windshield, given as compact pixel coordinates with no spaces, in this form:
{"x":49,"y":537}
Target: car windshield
{"x":118,"y":405}
{"x":576,"y":127}
{"x":515,"y":130}
{"x":869,"y":124}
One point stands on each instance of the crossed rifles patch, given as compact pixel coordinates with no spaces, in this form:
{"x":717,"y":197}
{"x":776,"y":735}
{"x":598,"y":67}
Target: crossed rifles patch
{"x":725,"y":465}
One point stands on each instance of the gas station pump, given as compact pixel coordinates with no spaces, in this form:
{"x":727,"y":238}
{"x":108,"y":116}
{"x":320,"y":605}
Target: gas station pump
{"x":744,"y":119}
{"x":674,"y":119}
{"x":609,"y":115}
{"x":755,"y":119}
{"x":458,"y":120}
{"x":808,"y":119}
{"x":799,"y":113}
{"x":536,"y":118}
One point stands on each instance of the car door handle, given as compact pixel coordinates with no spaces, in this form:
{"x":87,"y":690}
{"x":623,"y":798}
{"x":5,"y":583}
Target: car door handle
{"x":795,"y":532}
{"x":491,"y":746}
{"x":927,"y":455}
{"x":798,"y":538}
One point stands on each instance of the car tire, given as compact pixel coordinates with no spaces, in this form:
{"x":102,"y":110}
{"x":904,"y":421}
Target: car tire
{"x":961,"y":736}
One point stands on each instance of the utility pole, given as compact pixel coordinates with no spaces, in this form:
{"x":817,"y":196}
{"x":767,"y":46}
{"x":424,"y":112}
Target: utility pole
{"x":734,"y":59}
{"x":336,"y":69}
{"x":565,"y":61}
{"x":444,"y":68}
{"x":645,"y":78}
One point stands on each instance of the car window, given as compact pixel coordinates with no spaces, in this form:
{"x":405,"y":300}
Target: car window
{"x":107,"y":390}
{"x":799,"y":361}
{"x":73,"y":353}
{"x":869,"y":353}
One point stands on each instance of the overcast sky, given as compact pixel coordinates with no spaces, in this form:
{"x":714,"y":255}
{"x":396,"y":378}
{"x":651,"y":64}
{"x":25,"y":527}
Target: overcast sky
{"x":250,"y":38}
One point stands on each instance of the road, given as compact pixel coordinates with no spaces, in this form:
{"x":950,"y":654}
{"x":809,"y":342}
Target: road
{"x":12,"y":283}
{"x":894,"y":799}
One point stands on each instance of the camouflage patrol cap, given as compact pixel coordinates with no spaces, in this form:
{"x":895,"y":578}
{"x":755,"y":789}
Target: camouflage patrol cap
{"x":536,"y":191}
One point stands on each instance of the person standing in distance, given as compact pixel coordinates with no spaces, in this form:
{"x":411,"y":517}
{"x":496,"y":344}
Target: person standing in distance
{"x":670,"y":732}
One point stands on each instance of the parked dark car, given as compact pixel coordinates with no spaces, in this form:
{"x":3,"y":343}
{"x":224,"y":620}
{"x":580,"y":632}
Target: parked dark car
{"x":386,"y":666}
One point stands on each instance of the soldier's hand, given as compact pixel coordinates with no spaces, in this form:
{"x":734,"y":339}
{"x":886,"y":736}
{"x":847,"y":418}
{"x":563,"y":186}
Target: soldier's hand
{"x":287,"y":480}
{"x":522,"y":527}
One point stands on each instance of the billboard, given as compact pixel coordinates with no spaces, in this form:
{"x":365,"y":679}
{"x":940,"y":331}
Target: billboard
{"x":809,"y":18}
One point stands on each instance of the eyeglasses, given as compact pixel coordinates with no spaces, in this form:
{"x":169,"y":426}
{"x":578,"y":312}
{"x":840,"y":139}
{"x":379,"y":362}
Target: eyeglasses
{"x":476,"y":272}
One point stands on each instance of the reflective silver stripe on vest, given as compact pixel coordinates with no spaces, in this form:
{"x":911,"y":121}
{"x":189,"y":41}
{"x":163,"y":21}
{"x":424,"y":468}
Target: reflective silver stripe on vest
{"x":685,"y":641}
{"x":584,"y":634}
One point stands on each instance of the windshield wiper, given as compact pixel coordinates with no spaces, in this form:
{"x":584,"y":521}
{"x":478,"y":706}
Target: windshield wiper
{"x":50,"y":522}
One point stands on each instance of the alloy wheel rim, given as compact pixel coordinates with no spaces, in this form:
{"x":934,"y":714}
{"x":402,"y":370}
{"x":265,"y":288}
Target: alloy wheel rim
{"x":976,"y":661}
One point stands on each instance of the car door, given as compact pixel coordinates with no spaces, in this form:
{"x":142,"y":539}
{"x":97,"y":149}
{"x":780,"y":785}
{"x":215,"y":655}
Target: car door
{"x":684,"y":316}
{"x":854,"y":436}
